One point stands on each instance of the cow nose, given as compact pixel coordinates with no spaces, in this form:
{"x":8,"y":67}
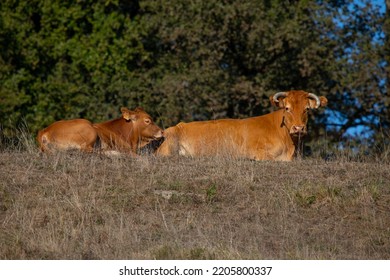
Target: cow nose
{"x":298,"y":128}
{"x":160,"y":134}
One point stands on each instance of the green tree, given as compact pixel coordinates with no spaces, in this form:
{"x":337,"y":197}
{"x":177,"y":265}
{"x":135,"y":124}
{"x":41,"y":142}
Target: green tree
{"x":67,"y":59}
{"x":224,"y":58}
{"x":358,"y":97}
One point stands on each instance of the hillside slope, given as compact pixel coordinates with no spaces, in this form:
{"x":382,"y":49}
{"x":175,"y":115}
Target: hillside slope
{"x":77,"y":206}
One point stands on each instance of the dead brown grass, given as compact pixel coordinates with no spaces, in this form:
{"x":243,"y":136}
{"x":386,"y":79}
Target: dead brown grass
{"x":80,"y":206}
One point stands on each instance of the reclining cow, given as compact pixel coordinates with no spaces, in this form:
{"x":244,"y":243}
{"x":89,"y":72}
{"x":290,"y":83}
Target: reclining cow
{"x":125,"y":134}
{"x":273,"y":136}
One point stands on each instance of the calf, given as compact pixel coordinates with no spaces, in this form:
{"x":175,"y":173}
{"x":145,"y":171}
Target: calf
{"x":132,"y":131}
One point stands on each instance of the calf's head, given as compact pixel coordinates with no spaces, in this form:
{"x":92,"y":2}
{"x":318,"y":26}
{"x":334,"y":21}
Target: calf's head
{"x":143,"y":126}
{"x":296,"y":105}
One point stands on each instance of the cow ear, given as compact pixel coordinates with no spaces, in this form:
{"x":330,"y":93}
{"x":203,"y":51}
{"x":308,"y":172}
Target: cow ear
{"x":324,"y":101}
{"x":128,"y":115}
{"x":279,"y":104}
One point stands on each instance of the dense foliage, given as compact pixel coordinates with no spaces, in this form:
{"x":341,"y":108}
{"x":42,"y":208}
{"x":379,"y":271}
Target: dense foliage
{"x":193,"y":60}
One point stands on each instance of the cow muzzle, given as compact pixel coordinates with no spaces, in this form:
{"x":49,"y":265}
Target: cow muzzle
{"x":298,"y":130}
{"x":159,"y":134}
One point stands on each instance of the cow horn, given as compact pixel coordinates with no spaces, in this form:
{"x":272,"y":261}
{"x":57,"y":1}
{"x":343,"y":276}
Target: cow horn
{"x":316,"y":98}
{"x":279,"y":94}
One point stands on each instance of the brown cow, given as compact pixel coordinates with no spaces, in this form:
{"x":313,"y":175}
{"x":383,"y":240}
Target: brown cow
{"x":133,"y":130}
{"x":126,"y":134}
{"x":68,"y":134}
{"x":273,"y":136}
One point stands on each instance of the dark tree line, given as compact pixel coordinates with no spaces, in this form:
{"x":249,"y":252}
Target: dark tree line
{"x":193,"y":60}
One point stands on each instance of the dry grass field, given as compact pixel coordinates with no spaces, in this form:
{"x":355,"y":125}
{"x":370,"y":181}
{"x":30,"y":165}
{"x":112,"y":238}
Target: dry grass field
{"x":90,"y":206}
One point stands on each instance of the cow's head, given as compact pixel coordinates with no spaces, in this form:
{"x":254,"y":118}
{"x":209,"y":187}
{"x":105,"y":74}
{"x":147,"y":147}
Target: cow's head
{"x":296,"y":105}
{"x":143,"y":125}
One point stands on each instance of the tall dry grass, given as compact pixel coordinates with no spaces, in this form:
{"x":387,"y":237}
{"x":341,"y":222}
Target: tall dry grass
{"x":90,"y":206}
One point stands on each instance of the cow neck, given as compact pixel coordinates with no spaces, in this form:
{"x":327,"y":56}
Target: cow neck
{"x":126,"y":128}
{"x":120,"y":127}
{"x":284,"y":130}
{"x":295,"y":140}
{"x":279,"y":122}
